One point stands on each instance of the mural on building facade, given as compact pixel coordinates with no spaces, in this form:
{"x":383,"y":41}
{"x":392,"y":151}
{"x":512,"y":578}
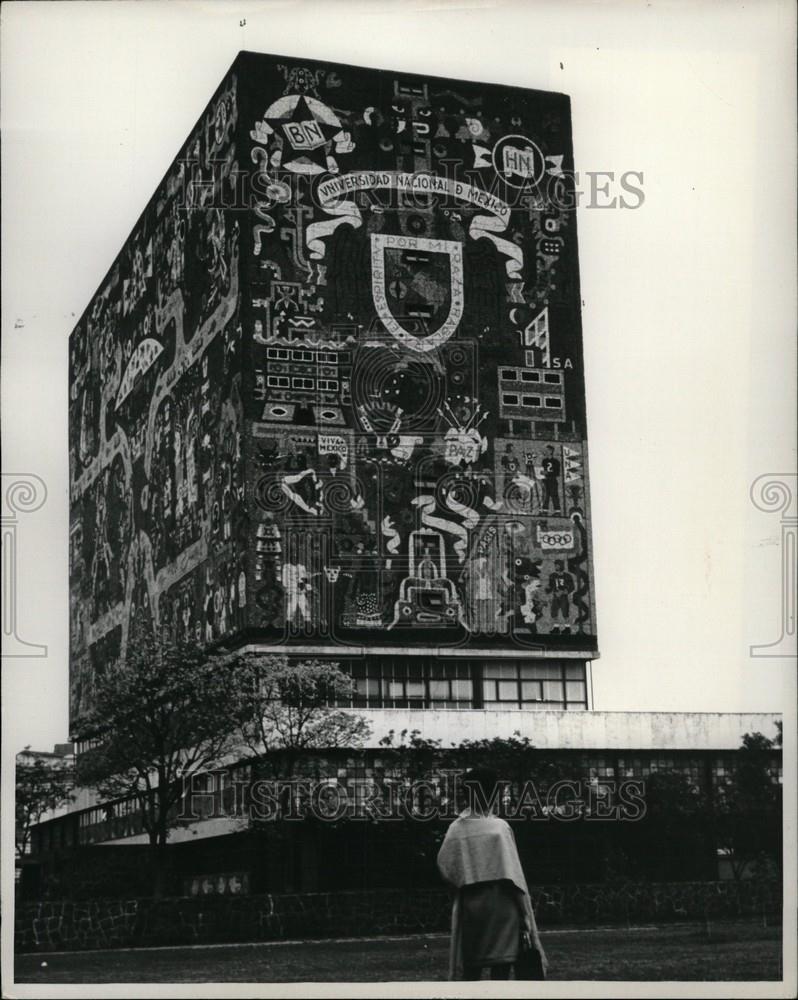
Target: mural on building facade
{"x":417,"y":463}
{"x":155,"y":420}
{"x":332,"y":387}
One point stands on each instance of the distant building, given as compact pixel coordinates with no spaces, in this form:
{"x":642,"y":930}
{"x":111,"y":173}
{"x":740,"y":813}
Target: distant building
{"x":62,"y":753}
{"x":60,"y":758}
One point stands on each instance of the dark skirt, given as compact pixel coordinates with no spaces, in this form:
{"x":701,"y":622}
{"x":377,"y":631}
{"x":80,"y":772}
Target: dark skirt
{"x":491,"y":922}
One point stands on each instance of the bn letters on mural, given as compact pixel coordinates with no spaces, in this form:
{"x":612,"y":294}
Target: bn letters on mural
{"x":331,"y":391}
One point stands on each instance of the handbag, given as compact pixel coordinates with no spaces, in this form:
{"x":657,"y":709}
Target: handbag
{"x":528,"y":964}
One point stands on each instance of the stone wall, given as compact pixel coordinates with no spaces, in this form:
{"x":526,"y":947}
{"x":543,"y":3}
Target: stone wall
{"x":640,"y":902}
{"x":56,"y":925}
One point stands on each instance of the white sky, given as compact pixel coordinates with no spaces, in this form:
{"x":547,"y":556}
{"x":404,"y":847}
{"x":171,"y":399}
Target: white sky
{"x":688,"y":302}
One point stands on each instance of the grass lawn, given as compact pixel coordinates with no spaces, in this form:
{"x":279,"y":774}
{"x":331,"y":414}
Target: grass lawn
{"x":731,"y":951}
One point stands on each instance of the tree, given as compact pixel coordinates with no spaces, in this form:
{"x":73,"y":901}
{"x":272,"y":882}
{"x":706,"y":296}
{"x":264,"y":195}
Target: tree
{"x":514,"y":758}
{"x":164,"y":713}
{"x":414,"y":756}
{"x":748,"y":809}
{"x":672,"y":840}
{"x":290,"y":710}
{"x":41,"y":786}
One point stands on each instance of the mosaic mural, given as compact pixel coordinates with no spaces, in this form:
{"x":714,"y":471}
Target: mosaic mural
{"x":416,"y":463}
{"x":331,"y":390}
{"x":155,"y":419}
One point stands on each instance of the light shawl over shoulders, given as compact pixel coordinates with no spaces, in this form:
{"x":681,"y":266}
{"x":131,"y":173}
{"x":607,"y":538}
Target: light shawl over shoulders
{"x":479,"y":848}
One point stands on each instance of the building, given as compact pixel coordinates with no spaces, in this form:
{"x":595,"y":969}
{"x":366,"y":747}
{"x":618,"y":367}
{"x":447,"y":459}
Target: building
{"x":329,"y":400}
{"x":100,"y":848}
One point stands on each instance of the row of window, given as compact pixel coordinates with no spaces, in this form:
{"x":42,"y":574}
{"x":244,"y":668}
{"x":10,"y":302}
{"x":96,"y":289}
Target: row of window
{"x":533,"y":402}
{"x":320,"y":357}
{"x":299,"y":382}
{"x":401,"y":683}
{"x":122,"y":819}
{"x":530,"y":375}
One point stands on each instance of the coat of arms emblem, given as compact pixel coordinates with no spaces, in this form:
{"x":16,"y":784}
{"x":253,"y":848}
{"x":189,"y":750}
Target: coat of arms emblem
{"x":417,"y":286}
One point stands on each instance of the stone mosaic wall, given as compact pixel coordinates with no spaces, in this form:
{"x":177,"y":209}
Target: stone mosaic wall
{"x":155,"y":420}
{"x":55,"y":925}
{"x":414,"y":378}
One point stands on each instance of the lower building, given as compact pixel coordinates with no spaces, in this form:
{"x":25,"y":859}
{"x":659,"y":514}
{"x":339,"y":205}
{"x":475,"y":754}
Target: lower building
{"x":654,"y":784}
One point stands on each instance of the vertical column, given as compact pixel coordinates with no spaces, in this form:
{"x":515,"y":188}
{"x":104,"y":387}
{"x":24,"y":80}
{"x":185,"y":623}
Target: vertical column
{"x":22,"y":494}
{"x":778,"y":493}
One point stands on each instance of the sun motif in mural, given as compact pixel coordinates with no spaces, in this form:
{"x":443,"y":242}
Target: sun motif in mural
{"x":391,"y":388}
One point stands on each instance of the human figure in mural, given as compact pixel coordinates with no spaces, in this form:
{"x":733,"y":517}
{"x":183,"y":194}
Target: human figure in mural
{"x":174,"y":253}
{"x":215,"y":517}
{"x":101,"y":567}
{"x":518,"y":486}
{"x":480,"y":591}
{"x":297,"y":586}
{"x":88,"y":417}
{"x":156,"y":532}
{"x":205,"y":387}
{"x":206,"y":456}
{"x":185,"y":615}
{"x":192,"y":488}
{"x":561,"y":585}
{"x":509,"y":461}
{"x":220,"y":603}
{"x":210,"y":254}
{"x":531,"y":475}
{"x":108,"y":356}
{"x":528,"y":600}
{"x":225,"y":488}
{"x":242,"y":597}
{"x":551,"y":481}
{"x":167,"y":499}
{"x":180,"y":472}
{"x":209,"y":606}
{"x":138,"y":283}
{"x":427,"y":570}
{"x":531,"y":607}
{"x":140,"y":609}
{"x":123,"y":526}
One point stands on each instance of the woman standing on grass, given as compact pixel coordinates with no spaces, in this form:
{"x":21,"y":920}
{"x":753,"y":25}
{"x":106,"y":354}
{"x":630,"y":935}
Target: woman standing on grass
{"x":492,"y":908}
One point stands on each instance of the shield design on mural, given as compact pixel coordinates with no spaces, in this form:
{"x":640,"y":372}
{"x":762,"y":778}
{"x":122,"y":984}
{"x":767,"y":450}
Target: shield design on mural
{"x":417,"y":286}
